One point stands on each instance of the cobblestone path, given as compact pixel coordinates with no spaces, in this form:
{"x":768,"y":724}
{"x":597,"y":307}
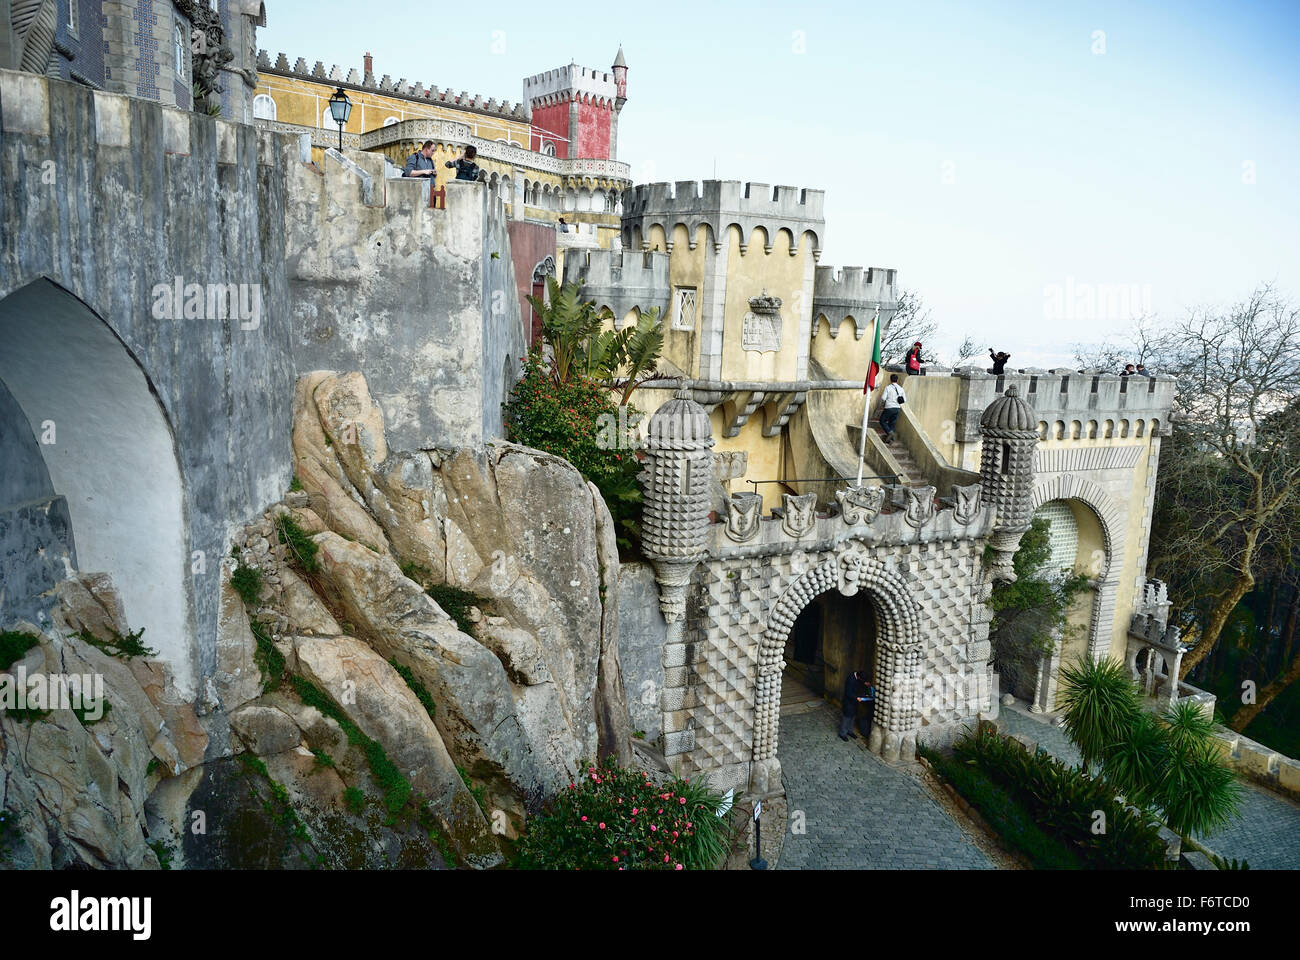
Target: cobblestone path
{"x":861,"y":813}
{"x":1266,"y":832}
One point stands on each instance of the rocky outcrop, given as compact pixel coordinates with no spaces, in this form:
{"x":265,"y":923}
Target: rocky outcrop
{"x":350,"y":720}
{"x":75,"y":773}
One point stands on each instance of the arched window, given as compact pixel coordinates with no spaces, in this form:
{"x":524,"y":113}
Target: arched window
{"x":548,"y":148}
{"x":389,"y":121}
{"x":263,"y":107}
{"x":179,"y":49}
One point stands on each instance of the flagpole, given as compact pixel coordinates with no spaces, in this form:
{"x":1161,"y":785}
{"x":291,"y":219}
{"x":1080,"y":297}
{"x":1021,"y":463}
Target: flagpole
{"x":866,"y":407}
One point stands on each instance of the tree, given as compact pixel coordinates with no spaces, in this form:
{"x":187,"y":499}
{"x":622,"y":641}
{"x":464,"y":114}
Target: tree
{"x":1167,"y":763}
{"x":911,"y":322}
{"x":574,"y":331}
{"x":1029,"y":613}
{"x":1230,"y":497}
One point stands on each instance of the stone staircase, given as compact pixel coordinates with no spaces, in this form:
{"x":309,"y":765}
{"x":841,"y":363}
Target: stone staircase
{"x":912,"y":475}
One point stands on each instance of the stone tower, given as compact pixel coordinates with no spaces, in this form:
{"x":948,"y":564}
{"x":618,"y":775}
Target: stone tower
{"x":1010,"y":434}
{"x":675,"y":516}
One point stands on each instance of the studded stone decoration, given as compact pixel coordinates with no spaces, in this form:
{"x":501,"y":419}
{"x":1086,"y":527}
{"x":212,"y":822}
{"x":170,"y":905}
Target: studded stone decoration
{"x":897,"y":653}
{"x":966,"y":502}
{"x":675,"y":516}
{"x":744,"y":511}
{"x":1010,"y":434}
{"x":860,"y":504}
{"x":800,"y":514}
{"x":920,"y":505}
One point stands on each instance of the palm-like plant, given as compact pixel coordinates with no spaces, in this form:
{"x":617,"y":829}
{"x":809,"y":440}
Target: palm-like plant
{"x":1135,"y":763}
{"x":568,"y":324}
{"x":1198,"y":792}
{"x":572,"y":328}
{"x":1100,"y":706}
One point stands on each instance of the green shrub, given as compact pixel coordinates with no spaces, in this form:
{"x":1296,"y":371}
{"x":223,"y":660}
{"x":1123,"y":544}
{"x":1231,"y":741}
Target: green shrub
{"x":122,"y":647}
{"x":323,"y":759}
{"x":420,"y":690}
{"x":354,"y":799}
{"x":456,"y":602}
{"x":1065,"y":803}
{"x":302,"y":548}
{"x":573,"y":420}
{"x":618,"y":819}
{"x":14,"y":646}
{"x":247,"y":582}
{"x":164,"y":854}
{"x":267,"y":656}
{"x":1009,"y":818}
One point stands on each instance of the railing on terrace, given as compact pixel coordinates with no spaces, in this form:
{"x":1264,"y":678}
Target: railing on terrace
{"x":453,"y":131}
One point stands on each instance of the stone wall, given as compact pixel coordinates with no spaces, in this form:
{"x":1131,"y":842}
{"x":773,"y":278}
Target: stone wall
{"x":642,"y":633}
{"x":369,"y":263}
{"x":115,"y":209}
{"x":107,"y":197}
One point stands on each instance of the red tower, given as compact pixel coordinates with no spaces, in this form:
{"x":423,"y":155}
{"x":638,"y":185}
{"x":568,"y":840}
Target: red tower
{"x":574,"y":110}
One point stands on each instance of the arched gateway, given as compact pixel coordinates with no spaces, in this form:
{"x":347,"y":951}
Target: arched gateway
{"x":731,"y":591}
{"x":898,"y":651}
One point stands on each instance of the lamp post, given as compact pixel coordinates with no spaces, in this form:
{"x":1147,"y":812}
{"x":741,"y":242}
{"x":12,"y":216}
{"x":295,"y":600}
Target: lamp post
{"x":340,"y":108}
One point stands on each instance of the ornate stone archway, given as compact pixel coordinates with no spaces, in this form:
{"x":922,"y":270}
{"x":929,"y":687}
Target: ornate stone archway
{"x":850,"y":570}
{"x":1067,"y":486}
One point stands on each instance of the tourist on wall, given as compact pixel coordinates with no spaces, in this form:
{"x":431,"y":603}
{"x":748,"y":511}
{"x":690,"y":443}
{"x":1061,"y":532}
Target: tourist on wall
{"x":892,"y":400}
{"x":420,"y":163}
{"x":466,"y":168}
{"x":1143,"y":371}
{"x":999,"y":361}
{"x":1128,"y":370}
{"x":914,"y":360}
{"x":856,"y":690}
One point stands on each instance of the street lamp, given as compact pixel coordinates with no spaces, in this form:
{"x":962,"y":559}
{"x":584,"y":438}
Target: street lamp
{"x":340,"y":108}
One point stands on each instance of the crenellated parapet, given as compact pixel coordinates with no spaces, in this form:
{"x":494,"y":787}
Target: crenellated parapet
{"x":722,"y":204}
{"x":570,"y":83}
{"x":621,"y":279}
{"x":855,"y":292}
{"x":400,"y":88}
{"x":1072,"y":404}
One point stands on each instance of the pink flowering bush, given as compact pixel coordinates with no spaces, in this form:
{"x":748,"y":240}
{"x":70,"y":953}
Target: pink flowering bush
{"x":615,"y":818}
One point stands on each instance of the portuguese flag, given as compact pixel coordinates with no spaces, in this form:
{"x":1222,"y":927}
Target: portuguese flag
{"x":873,"y":370}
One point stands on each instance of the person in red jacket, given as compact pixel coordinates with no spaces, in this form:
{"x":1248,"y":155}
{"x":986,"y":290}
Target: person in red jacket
{"x":914,"y":360}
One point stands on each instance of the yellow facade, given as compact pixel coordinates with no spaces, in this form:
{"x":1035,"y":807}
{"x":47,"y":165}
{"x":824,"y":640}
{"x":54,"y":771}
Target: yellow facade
{"x":306,"y":103}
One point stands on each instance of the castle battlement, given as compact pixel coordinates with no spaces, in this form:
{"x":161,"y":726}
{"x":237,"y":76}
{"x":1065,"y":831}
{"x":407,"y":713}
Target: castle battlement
{"x":749,"y":199}
{"x":400,"y":88}
{"x":852,"y":286}
{"x":621,"y":279}
{"x":722,"y":204}
{"x":853,"y":292}
{"x":570,"y":83}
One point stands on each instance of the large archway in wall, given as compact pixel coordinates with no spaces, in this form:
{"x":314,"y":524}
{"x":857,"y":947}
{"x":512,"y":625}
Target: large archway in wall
{"x":109,"y":451}
{"x":1103,"y":563}
{"x":897,"y":669}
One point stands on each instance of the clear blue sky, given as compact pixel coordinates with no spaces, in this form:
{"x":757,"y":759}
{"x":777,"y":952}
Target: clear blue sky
{"x":986,"y":151}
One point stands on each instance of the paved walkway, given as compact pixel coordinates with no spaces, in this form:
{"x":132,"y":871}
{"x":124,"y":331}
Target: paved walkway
{"x":1266,"y":832}
{"x":861,"y":813}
